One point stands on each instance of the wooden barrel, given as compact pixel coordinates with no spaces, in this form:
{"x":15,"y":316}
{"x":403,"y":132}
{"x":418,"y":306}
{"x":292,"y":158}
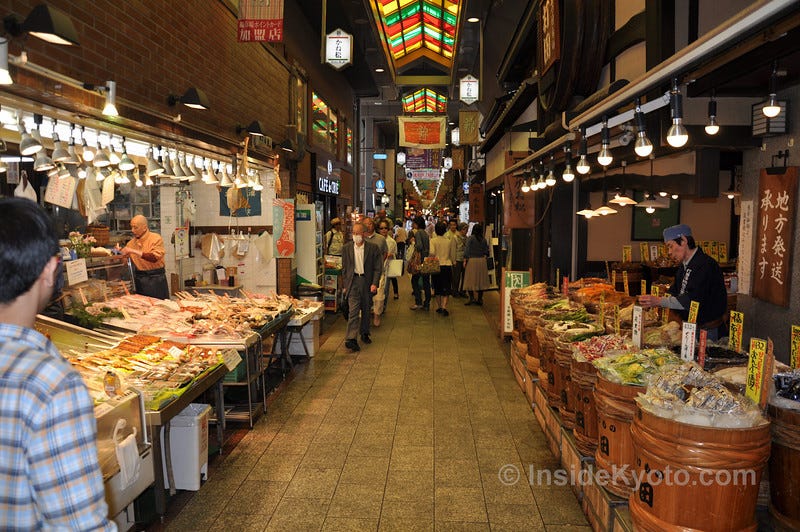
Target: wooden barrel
{"x":784,"y":467}
{"x":696,"y":478}
{"x":531,"y":321}
{"x":616,"y":405}
{"x":563,"y":359}
{"x":584,"y":378}
{"x":548,"y":363}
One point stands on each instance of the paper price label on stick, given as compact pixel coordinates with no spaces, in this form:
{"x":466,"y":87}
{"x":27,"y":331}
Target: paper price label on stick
{"x":723,"y":252}
{"x":693,"y":308}
{"x":231,"y":358}
{"x":625,"y":282}
{"x":643,"y":252}
{"x":688,"y":341}
{"x":735,"y":331}
{"x":636,"y":325}
{"x":565,"y":286}
{"x":614,"y":279}
{"x":701,"y":348}
{"x":755,"y":368}
{"x":642,"y":287}
{"x":558,"y":278}
{"x":616,"y":319}
{"x":794,"y":359}
{"x":626,"y":253}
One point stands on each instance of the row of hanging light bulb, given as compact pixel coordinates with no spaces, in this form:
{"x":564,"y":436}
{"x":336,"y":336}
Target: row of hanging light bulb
{"x":99,"y":161}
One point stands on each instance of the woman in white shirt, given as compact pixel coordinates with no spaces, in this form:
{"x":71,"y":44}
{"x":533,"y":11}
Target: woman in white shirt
{"x":443,"y":249}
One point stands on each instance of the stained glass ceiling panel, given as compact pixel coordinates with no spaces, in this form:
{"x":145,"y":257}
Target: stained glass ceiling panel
{"x":412,"y":25}
{"x":424,"y":101}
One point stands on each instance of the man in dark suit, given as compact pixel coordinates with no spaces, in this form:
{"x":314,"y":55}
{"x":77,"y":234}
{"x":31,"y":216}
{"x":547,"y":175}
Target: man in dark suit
{"x":362,"y":263}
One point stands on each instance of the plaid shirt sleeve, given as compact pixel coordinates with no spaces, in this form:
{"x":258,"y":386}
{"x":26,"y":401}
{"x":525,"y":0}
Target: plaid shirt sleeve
{"x":62,"y":461}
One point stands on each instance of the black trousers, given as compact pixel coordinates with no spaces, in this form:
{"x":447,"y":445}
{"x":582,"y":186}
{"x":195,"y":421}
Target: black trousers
{"x":152,"y":283}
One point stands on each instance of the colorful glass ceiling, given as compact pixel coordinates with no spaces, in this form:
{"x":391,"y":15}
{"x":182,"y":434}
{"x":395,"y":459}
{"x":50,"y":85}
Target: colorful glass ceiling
{"x":424,"y":101}
{"x":418,"y":27}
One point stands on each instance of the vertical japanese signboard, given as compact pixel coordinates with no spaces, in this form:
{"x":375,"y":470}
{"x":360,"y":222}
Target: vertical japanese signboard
{"x":519,"y":207}
{"x":776,"y":206}
{"x":476,"y":211}
{"x":511,"y":281}
{"x":745,"y":263}
{"x":283,"y":227}
{"x":260,"y":21}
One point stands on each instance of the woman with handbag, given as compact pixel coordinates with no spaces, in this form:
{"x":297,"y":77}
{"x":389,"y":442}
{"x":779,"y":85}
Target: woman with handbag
{"x":444,"y":249}
{"x":476,"y":273}
{"x":421,"y":248}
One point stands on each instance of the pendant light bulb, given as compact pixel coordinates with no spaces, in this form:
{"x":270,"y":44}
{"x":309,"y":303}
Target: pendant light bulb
{"x":772,"y":107}
{"x":568,"y":176}
{"x":525,"y":186}
{"x":101,"y":160}
{"x":583,"y":166}
{"x":712,"y":128}
{"x":551,"y":179}
{"x":125,"y":163}
{"x":110,"y":107}
{"x":604,"y":158}
{"x":28,"y":145}
{"x":87,"y":153}
{"x":675,"y":196}
{"x":650,"y":210}
{"x":677,"y":136}
{"x":643,"y":146}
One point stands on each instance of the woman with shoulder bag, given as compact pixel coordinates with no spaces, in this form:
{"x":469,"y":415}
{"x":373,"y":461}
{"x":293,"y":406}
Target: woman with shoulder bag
{"x":443,"y":249}
{"x":476,"y":273}
{"x":421,"y":245}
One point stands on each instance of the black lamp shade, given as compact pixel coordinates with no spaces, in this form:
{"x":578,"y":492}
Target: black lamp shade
{"x":51,"y":25}
{"x":195,"y":98}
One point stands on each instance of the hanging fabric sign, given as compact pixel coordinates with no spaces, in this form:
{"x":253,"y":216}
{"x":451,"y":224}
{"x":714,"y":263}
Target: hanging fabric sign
{"x":519,"y":212}
{"x":417,"y":132}
{"x":777,"y":193}
{"x":260,"y":21}
{"x":468,"y":122}
{"x":283,"y":227}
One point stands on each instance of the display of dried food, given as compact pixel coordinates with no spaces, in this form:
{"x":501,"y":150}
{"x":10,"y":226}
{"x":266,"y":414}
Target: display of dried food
{"x":721,"y":356}
{"x":688,"y":394}
{"x":635,"y":368}
{"x":668,"y":334}
{"x":600,"y":346}
{"x":787,"y":385}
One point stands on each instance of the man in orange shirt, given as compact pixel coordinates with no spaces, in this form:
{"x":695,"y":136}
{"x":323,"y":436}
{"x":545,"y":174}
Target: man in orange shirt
{"x":146,"y":251}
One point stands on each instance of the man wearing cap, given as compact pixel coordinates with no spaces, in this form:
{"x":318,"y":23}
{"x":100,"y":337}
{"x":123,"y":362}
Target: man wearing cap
{"x":334,"y":238}
{"x":698,"y":278}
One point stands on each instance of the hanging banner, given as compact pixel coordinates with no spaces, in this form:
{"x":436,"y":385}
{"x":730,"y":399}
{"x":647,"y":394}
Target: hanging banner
{"x":468,"y":123}
{"x":283,"y":228}
{"x":511,"y":280}
{"x":458,"y":159}
{"x":519,"y":211}
{"x":422,"y":132}
{"x":777,"y":195}
{"x":338,"y":49}
{"x":260,"y":21}
{"x":476,"y":211}
{"x":469,"y":89}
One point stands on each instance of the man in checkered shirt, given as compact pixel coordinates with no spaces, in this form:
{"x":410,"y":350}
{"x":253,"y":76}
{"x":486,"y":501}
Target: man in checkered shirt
{"x":49,"y":474}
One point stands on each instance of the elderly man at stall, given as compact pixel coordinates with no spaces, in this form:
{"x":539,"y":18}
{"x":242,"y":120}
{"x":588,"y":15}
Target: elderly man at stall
{"x":50,"y":478}
{"x":146,"y":251}
{"x":698,"y":278}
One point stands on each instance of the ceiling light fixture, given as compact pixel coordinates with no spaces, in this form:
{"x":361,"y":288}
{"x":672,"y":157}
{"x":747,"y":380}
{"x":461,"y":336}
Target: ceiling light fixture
{"x":87,"y":153}
{"x":604,"y":209}
{"x":677,"y":136}
{"x":568,"y":176}
{"x":772,"y":108}
{"x":225,"y":180}
{"x":401,"y":158}
{"x":379,"y":70}
{"x":473,"y":19}
{"x":604,"y":158}
{"x":5,"y":75}
{"x":125,"y":162}
{"x":583,"y":164}
{"x":101,"y":159}
{"x":153,"y":168}
{"x":255,"y":128}
{"x":43,"y":162}
{"x":167,"y":165}
{"x":193,"y":97}
{"x":643,"y":147}
{"x":46,"y":23}
{"x":110,"y":90}
{"x":28,"y":145}
{"x":113,"y":156}
{"x":650,"y":204}
{"x":712,"y":128}
{"x":60,"y":153}
{"x":622,"y":198}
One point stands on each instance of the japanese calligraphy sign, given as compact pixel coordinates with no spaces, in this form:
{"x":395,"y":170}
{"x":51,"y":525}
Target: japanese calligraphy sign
{"x":794,"y":359}
{"x":549,"y":35}
{"x":468,"y":124}
{"x":476,"y":211}
{"x":643,"y":252}
{"x":735,"y":331}
{"x":428,"y":132}
{"x":694,"y":308}
{"x":626,"y":253}
{"x":260,"y":21}
{"x":519,"y":211}
{"x":338,"y":49}
{"x":755,"y":368}
{"x":701,"y":348}
{"x":469,"y":89}
{"x":688,"y":341}
{"x":723,"y":252}
{"x":512,"y":280}
{"x":636,"y":326}
{"x":643,"y":287}
{"x":565,"y":286}
{"x":777,"y":195}
{"x":625,"y":282}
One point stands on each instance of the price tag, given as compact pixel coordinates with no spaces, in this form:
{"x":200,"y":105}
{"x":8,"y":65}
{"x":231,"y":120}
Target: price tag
{"x":735,"y":331}
{"x":626,"y":253}
{"x":723,"y":252}
{"x":693,"y":308}
{"x":688,"y":341}
{"x":643,"y":251}
{"x":794,"y":359}
{"x":558,"y":279}
{"x":755,"y":368}
{"x":231,"y":358}
{"x":625,"y":282}
{"x":175,"y":351}
{"x":714,"y":250}
{"x":614,"y":279}
{"x":242,"y":247}
{"x":637,"y":326}
{"x":76,"y":271}
{"x":655,"y":290}
{"x":602,"y":309}
{"x":769,"y":366}
{"x":565,"y":286}
{"x":616,"y":319}
{"x":642,"y":287}
{"x":701,"y":348}
{"x":83,"y":296}
{"x":654,"y":251}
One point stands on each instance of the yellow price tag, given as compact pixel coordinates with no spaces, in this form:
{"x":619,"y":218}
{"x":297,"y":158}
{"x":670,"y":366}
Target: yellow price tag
{"x":616,"y":319}
{"x":714,"y":250}
{"x":614,"y":279}
{"x":625,"y":282}
{"x":693,"y":308}
{"x":794,"y":359}
{"x":626,"y":253}
{"x":755,"y":368}
{"x":735,"y":331}
{"x":643,"y":252}
{"x":602,"y":309}
{"x":643,"y":287}
{"x":723,"y":252}
{"x":558,"y":278}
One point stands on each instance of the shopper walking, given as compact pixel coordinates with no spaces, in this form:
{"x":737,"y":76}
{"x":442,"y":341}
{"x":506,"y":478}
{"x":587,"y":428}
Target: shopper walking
{"x":400,"y":236}
{"x":476,"y":274}
{"x":334,"y":238}
{"x":460,"y":239}
{"x":421,"y":244}
{"x":51,"y":478}
{"x":444,"y":249}
{"x":361,"y":274}
{"x":384,"y":229}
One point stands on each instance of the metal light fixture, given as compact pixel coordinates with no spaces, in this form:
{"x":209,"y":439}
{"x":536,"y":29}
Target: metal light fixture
{"x":46,"y":23}
{"x":583,"y":164}
{"x":643,"y":147}
{"x":167,"y":165}
{"x":525,"y":186}
{"x":125,"y":162}
{"x":604,"y":158}
{"x":772,"y":108}
{"x":60,"y":153}
{"x":550,"y":180}
{"x":193,"y":97}
{"x":87,"y":153}
{"x":153,"y":168}
{"x":675,"y":196}
{"x":650,"y":204}
{"x":256,"y":128}
{"x":3,"y":167}
{"x":447,"y":163}
{"x":677,"y":136}
{"x":732,"y":193}
{"x":225,"y":180}
{"x":567,"y":175}
{"x":211,"y":173}
{"x":712,"y":128}
{"x":110,"y":90}
{"x":113,"y":156}
{"x":5,"y":75}
{"x":622,"y":198}
{"x":101,"y":159}
{"x":43,"y":162}
{"x":27,"y":144}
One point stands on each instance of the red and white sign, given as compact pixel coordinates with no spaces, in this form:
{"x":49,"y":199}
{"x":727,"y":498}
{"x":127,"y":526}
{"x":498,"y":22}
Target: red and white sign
{"x":260,"y":21}
{"x":427,"y":174}
{"x":422,"y":132}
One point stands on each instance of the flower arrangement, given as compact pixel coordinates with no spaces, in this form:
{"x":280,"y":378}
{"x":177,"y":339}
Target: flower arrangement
{"x":82,"y":244}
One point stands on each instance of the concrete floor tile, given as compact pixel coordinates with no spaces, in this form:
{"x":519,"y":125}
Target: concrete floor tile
{"x":256,"y":497}
{"x":514,"y":517}
{"x":298,"y":514}
{"x":273,"y":466}
{"x":241,"y":522}
{"x":405,"y":524}
{"x":362,"y":501}
{"x":415,"y":457}
{"x":313,"y":483}
{"x":325,"y":456}
{"x":568,"y":528}
{"x":460,"y":504}
{"x":287,"y":442}
{"x":408,"y":509}
{"x":558,"y":506}
{"x":457,"y":473}
{"x":409,"y":485}
{"x":407,"y":435}
{"x":458,"y":526}
{"x":370,"y":470}
{"x":345,"y":524}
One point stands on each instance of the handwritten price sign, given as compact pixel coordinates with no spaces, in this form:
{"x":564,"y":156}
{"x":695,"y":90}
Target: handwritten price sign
{"x":735,"y":331}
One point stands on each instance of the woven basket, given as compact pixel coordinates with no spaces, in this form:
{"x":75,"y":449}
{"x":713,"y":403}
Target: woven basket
{"x":100,"y":233}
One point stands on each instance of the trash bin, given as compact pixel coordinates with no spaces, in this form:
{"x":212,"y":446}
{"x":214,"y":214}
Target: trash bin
{"x":188,"y":447}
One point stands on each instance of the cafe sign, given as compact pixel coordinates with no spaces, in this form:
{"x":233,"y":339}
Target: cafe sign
{"x":327,"y":181}
{"x":338,"y":49}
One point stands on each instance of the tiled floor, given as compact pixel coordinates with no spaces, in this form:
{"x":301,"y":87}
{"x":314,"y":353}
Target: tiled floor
{"x":411,"y":433}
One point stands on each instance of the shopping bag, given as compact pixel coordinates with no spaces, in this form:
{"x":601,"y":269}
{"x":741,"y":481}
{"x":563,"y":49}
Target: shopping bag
{"x":430,"y":266}
{"x":395,"y":268}
{"x":414,"y":263}
{"x":490,"y":263}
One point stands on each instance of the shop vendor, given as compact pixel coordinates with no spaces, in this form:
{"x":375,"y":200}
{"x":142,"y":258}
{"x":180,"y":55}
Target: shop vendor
{"x":698,"y":278}
{"x":146,"y":251}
